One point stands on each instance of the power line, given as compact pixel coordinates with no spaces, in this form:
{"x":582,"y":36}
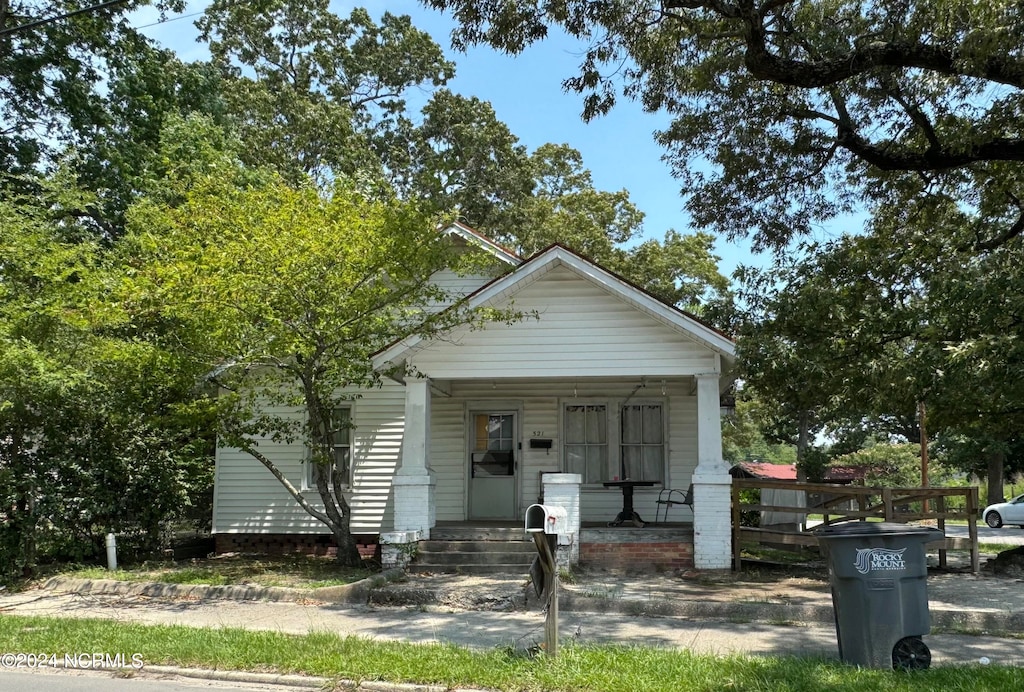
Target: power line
{"x":169,"y":19}
{"x":175,"y":18}
{"x":49,"y":20}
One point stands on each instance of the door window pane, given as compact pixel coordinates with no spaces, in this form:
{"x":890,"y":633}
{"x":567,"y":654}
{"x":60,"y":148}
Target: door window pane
{"x":493,"y":445}
{"x":493,"y":431}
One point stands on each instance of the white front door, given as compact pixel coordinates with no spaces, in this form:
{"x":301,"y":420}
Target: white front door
{"x":493,"y":465}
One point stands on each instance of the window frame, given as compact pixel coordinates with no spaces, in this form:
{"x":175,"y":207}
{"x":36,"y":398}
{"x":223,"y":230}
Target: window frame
{"x":607,"y":444}
{"x":613,"y":426}
{"x":663,"y":445}
{"x":308,"y":482}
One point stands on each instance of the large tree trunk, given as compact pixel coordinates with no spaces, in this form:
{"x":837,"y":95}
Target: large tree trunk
{"x":25,"y":503}
{"x":339,"y":515}
{"x":348,"y":551}
{"x":995,"y":476}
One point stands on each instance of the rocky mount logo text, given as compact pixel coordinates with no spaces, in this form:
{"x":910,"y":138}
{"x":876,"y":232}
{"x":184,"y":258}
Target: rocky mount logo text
{"x":879,"y":559}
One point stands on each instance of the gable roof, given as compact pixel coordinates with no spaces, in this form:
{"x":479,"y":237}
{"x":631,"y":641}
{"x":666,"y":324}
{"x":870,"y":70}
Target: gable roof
{"x":474,"y":237}
{"x":558,"y":255}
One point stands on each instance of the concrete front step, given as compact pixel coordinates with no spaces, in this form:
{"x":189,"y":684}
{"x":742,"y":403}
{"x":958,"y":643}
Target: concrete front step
{"x":506,"y":569}
{"x":433,"y":546}
{"x":465,"y":533}
{"x":475,"y":558}
{"x":465,"y":550}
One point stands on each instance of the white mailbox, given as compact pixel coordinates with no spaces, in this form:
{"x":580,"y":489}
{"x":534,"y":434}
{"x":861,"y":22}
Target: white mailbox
{"x":546,"y":519}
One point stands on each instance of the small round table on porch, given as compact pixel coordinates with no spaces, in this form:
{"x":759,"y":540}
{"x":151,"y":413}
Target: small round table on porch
{"x":627,"y":513}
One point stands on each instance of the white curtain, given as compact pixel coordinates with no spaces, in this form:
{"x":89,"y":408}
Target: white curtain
{"x":643,"y":442}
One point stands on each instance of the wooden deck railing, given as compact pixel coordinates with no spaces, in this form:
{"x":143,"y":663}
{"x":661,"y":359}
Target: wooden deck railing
{"x":845,"y":502}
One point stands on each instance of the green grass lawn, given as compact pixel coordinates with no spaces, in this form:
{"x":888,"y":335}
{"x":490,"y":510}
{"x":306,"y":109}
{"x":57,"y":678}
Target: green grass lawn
{"x":295,"y":571}
{"x":577,"y":668}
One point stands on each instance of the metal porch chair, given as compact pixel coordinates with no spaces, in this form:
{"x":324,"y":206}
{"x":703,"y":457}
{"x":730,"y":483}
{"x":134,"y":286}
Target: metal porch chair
{"x":670,"y":497}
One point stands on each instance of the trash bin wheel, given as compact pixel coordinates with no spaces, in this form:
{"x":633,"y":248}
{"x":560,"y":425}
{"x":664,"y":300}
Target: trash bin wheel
{"x":910,"y":653}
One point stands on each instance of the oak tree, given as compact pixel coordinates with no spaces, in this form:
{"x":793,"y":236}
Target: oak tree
{"x":786,"y":113}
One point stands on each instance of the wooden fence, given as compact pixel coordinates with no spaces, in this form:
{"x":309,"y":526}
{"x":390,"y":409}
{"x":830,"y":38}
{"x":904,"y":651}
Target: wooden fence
{"x":845,"y":502}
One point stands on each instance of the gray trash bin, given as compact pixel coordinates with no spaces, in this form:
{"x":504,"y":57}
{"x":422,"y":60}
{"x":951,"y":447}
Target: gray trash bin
{"x":879,"y":592}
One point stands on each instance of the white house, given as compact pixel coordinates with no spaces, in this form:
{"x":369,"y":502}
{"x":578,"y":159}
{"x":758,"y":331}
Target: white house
{"x":601,"y":380}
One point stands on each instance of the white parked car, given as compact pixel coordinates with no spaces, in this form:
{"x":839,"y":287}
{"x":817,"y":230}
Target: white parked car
{"x":1009,"y":512}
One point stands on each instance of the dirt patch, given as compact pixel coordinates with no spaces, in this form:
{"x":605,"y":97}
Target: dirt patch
{"x":457,"y":592}
{"x":762,"y":584}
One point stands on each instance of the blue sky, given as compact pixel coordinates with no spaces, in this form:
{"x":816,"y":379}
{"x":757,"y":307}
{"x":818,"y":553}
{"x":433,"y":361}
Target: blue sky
{"x":526,"y":93}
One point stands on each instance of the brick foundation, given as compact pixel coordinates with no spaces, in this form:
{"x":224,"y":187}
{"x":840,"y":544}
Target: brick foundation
{"x":673,"y":555}
{"x":291,"y":544}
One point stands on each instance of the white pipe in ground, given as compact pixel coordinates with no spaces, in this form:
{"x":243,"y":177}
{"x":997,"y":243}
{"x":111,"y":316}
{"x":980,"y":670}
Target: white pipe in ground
{"x":111,"y":552}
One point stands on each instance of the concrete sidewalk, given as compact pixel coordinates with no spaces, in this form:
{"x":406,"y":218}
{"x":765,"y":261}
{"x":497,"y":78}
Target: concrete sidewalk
{"x":708,"y":613}
{"x":489,"y":629}
{"x":957,"y":601}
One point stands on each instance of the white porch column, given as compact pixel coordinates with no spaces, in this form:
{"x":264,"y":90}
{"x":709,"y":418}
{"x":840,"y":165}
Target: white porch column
{"x":712,"y":533}
{"x":413,"y":482}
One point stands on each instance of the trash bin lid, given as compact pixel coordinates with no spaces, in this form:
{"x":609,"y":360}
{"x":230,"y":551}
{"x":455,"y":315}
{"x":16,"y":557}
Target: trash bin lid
{"x":852,"y":529}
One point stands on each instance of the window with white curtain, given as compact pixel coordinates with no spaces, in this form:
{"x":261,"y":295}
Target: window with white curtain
{"x":606,"y":441}
{"x":643,"y":442}
{"x":586,"y":441}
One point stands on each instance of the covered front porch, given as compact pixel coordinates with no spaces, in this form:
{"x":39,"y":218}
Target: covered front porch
{"x":600,"y":380}
{"x":491,"y":442}
{"x":485,"y":447}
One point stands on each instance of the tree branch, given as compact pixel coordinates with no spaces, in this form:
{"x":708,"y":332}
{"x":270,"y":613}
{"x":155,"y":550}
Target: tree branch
{"x":917,"y":116}
{"x":811,"y":114}
{"x":1012,"y":232}
{"x":772,"y":5}
{"x":936,"y":158}
{"x":877,"y":54}
{"x":292,"y":490}
{"x":723,"y":8}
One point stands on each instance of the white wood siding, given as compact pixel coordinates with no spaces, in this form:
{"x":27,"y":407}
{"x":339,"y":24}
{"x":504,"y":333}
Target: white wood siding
{"x":461,"y":285}
{"x":581,"y":331}
{"x":248,"y":499}
{"x":380,"y":424}
{"x":448,"y":457}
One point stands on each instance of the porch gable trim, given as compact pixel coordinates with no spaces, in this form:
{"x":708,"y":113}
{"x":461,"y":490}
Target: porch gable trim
{"x":559,"y":256}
